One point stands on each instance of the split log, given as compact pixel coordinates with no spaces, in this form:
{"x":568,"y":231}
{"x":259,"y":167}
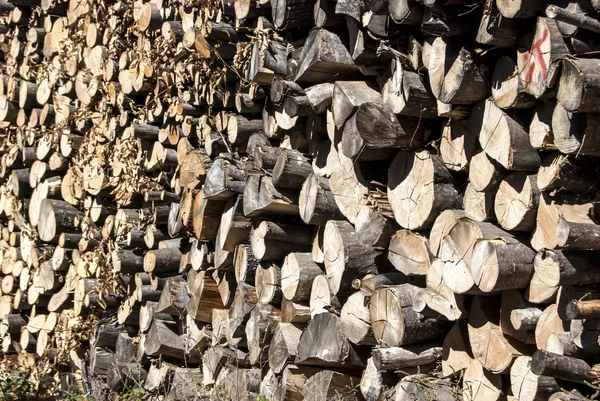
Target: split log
{"x":456,"y":252}
{"x":345,"y":257}
{"x":508,"y":87}
{"x":417,"y":387}
{"x":291,"y":169}
{"x":465,"y":82}
{"x":375,"y":224}
{"x":331,"y":347}
{"x":355,"y":320}
{"x":322,"y":58}
{"x":394,"y":321}
{"x":479,"y":383}
{"x":575,"y":133}
{"x":292,"y":312}
{"x":540,"y":129}
{"x":348,"y":96}
{"x":284,"y":346}
{"x":502,"y":138}
{"x":223,"y":180}
{"x":537,"y":59}
{"x":516,"y":202}
{"x":409,"y":253}
{"x":438,"y":297}
{"x":457,"y":145}
{"x":441,"y":227}
{"x":262,"y":198}
{"x":489,"y":345}
{"x":479,"y":206}
{"x":374,"y":129}
{"x":456,"y":351}
{"x":406,"y":93}
{"x":558,"y":172}
{"x":495,"y":29}
{"x":328,"y":384}
{"x":322,"y":299}
{"x":418,"y":198}
{"x":273,"y":241}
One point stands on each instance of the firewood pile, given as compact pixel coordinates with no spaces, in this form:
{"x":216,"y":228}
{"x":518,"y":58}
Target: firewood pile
{"x":287,"y":199}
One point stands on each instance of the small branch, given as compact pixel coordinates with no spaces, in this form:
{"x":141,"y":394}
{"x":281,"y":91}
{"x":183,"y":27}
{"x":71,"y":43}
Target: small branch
{"x":578,"y":19}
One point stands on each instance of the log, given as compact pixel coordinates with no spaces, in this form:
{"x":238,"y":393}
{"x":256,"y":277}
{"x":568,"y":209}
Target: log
{"x":438,"y":297}
{"x":397,"y":358}
{"x":577,"y":87}
{"x":322,"y":57}
{"x":465,"y":82}
{"x":273,"y":241}
{"x":407,"y":94}
{"x":332,"y":349}
{"x":502,"y":138}
{"x":490,"y":347}
{"x":508,"y":87}
{"x":162,"y":260}
{"x":457,"y":145}
{"x":245,"y":264}
{"x":345,"y":257}
{"x":537,"y":58}
{"x":291,"y":169}
{"x":409,"y":253}
{"x":327,"y":384}
{"x":284,"y":346}
{"x":316,"y":203}
{"x":501,"y":264}
{"x":268,"y":283}
{"x":583,"y":309}
{"x":574,"y":133}
{"x":394,"y":321}
{"x":525,"y":319}
{"x":417,"y":208}
{"x":297,"y":274}
{"x":56,"y":217}
{"x":456,"y":252}
{"x":374,"y":127}
{"x":562,"y":367}
{"x":355,"y":320}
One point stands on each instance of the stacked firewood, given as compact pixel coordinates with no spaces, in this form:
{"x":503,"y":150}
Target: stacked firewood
{"x":330,"y":200}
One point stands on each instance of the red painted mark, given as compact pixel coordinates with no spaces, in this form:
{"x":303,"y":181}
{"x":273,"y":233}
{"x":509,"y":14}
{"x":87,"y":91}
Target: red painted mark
{"x":536,"y":52}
